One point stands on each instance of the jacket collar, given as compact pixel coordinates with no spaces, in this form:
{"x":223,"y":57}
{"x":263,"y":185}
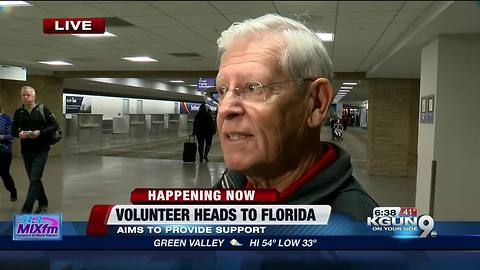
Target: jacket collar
{"x":321,"y":187}
{"x":324,"y":185}
{"x":34,"y":107}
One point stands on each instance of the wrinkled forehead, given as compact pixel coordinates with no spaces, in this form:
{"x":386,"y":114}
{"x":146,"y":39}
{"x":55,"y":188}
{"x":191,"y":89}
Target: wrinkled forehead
{"x":28,"y":91}
{"x":254,"y":44}
{"x":262,"y":49}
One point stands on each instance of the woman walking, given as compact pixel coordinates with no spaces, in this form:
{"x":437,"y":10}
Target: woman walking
{"x":6,"y":154}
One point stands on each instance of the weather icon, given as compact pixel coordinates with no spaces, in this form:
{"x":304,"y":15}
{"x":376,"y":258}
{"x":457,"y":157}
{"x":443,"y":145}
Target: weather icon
{"x":235,"y":243}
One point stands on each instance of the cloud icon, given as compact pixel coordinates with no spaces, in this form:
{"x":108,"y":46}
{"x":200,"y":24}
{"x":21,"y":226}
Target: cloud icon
{"x":235,"y":243}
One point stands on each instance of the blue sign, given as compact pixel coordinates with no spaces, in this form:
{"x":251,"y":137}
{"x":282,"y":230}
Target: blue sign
{"x":204,"y":83}
{"x":189,"y":107}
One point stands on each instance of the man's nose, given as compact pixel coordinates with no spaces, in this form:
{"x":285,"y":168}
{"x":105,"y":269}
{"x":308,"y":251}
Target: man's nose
{"x":231,"y":106}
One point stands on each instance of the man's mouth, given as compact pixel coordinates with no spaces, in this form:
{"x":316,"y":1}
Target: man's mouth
{"x":237,"y":136}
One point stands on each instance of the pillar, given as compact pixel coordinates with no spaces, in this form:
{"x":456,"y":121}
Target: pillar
{"x":10,"y":95}
{"x":339,"y":111}
{"x":10,"y":100}
{"x":450,"y":67}
{"x":392,"y":120}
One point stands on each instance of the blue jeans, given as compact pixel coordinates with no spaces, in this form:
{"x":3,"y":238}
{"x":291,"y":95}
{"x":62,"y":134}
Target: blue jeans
{"x":34,"y":164}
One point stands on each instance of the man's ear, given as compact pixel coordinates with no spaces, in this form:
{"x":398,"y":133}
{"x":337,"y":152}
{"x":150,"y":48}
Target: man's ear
{"x":321,"y":93}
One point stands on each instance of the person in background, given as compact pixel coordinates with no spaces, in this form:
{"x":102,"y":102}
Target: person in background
{"x":6,"y":154}
{"x":333,"y":120}
{"x":34,"y":132}
{"x":273,"y":90}
{"x":203,"y":129}
{"x":345,"y":121}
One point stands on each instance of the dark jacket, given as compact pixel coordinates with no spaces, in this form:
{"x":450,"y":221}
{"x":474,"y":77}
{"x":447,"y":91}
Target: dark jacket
{"x":334,"y":186}
{"x":203,"y":124}
{"x":23,"y":120}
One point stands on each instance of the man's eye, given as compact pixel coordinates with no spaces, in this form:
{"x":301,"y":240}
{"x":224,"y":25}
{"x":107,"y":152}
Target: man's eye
{"x":252,"y":87}
{"x":222,"y":90}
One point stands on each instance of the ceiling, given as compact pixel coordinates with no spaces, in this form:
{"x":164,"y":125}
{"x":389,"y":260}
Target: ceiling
{"x":376,"y":38}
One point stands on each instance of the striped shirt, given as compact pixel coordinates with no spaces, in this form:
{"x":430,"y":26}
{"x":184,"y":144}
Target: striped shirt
{"x":6,"y":131}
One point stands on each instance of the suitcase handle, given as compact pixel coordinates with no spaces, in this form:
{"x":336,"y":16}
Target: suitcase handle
{"x":190,"y":136}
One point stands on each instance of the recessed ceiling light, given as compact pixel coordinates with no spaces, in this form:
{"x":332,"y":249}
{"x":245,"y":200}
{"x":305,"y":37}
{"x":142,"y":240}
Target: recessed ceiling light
{"x":55,"y":63}
{"x":349,"y":83}
{"x":140,"y":59}
{"x":177,"y":81}
{"x":106,"y":34}
{"x":192,"y":85}
{"x":326,"y":37}
{"x":14,"y":4}
{"x":346,"y":87}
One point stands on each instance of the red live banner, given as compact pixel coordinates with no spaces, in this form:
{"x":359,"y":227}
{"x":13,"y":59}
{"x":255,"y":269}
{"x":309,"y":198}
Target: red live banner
{"x":166,"y":196}
{"x":74,"y":25}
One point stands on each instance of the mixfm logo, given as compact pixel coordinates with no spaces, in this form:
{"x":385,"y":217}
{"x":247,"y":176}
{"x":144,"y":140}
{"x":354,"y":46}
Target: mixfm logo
{"x":74,"y":25}
{"x":37,"y":227}
{"x":401,"y":221}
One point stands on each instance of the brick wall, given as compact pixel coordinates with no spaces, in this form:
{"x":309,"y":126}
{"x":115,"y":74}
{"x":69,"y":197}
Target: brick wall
{"x":392,"y":125}
{"x":10,"y":95}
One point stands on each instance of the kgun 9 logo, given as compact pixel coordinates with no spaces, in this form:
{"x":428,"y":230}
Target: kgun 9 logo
{"x":400,"y":223}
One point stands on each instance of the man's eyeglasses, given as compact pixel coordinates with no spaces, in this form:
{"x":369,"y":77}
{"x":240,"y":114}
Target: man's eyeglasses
{"x":253,"y":92}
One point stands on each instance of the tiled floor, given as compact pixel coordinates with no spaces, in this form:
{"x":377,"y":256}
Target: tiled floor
{"x":84,"y":176}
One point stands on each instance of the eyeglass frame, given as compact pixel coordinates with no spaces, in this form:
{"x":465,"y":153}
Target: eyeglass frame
{"x":241,"y":91}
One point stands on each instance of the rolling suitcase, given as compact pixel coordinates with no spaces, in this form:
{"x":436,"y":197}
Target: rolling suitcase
{"x":190,"y":149}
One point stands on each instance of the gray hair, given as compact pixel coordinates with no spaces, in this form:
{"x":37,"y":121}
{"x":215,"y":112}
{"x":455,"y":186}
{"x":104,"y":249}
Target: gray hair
{"x":29,"y":88}
{"x":303,"y":55}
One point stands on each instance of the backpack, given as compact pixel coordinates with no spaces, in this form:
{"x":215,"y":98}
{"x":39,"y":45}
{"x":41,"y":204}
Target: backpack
{"x":57,"y":135}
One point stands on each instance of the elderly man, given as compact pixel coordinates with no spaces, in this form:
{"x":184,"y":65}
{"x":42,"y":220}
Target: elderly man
{"x":34,"y":132}
{"x":273,"y":92}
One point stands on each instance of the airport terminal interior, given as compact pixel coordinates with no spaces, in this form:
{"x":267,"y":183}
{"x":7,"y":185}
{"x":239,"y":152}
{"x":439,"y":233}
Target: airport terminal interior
{"x":405,"y":77}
